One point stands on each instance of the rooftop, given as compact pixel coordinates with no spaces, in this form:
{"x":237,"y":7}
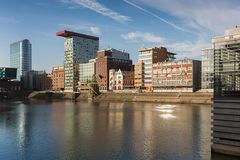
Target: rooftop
{"x":70,"y":34}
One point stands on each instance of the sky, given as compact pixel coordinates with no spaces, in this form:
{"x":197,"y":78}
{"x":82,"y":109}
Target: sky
{"x":185,"y":27}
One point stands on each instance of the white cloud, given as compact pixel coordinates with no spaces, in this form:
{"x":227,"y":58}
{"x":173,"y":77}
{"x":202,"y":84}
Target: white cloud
{"x":146,"y":37}
{"x":213,"y":15}
{"x":83,"y":27}
{"x":191,"y":49}
{"x":95,"y":30}
{"x":99,"y":8}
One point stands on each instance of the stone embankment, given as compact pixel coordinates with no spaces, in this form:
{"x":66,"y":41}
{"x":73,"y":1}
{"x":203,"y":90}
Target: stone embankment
{"x":190,"y":98}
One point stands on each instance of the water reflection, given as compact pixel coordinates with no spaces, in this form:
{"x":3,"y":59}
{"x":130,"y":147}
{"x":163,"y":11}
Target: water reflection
{"x":105,"y":131}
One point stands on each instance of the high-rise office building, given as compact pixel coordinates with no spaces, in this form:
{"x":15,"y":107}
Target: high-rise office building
{"x":226,"y":106}
{"x":78,"y":48}
{"x":146,"y":58}
{"x":21,"y":56}
{"x":207,"y":69}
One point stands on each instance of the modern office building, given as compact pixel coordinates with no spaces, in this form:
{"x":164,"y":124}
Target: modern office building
{"x":226,"y":107}
{"x":87,"y":71}
{"x":78,"y":48}
{"x":110,"y":59}
{"x":207,"y":69}
{"x":8,"y":73}
{"x":57,"y":77}
{"x":121,"y":80}
{"x":147,"y":57}
{"x":177,"y":76}
{"x":21,"y":56}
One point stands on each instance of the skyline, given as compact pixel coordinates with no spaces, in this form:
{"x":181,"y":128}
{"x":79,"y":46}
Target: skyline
{"x":184,"y":28}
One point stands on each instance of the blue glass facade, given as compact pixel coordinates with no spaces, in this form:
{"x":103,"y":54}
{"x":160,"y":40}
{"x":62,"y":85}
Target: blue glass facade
{"x":8,"y":73}
{"x":21,"y":56}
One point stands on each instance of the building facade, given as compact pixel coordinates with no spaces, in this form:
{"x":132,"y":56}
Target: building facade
{"x":208,"y":69}
{"x":121,"y":80}
{"x":57,"y":77}
{"x":226,"y":106}
{"x":37,"y":80}
{"x":8,"y":73}
{"x":78,"y":48}
{"x":110,"y":59}
{"x":21,"y":56}
{"x":147,"y":57}
{"x":87,"y":71}
{"x":177,"y":76}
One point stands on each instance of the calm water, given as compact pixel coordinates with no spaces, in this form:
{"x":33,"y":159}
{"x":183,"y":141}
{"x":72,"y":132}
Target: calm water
{"x":114,"y":131}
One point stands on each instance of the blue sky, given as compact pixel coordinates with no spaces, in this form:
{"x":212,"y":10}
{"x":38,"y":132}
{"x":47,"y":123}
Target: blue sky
{"x":183,"y":26}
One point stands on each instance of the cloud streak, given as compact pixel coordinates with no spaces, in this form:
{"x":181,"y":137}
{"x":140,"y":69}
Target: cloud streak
{"x":146,"y":37}
{"x":99,"y":8}
{"x":156,"y":16}
{"x":202,"y":15}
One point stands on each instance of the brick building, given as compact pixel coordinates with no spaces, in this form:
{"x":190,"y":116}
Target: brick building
{"x":110,"y":59}
{"x":57,"y":78}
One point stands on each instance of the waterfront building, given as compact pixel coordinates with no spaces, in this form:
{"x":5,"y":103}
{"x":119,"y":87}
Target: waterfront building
{"x":8,"y":73}
{"x":37,"y":80}
{"x":78,"y":48}
{"x":138,"y":75}
{"x":121,"y":80}
{"x":21,"y":56}
{"x":177,"y":76}
{"x":6,"y":76}
{"x":87,"y":71}
{"x":147,"y":57}
{"x":110,"y":59}
{"x":226,"y":106}
{"x":57,"y":77}
{"x":207,"y":69}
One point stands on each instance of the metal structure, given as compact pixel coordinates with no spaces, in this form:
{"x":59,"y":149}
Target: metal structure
{"x":226,"y":107}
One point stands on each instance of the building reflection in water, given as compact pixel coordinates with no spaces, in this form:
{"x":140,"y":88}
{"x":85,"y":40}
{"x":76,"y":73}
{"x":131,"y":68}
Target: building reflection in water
{"x":105,"y":131}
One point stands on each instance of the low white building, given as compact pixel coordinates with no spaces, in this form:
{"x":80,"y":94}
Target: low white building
{"x":120,"y":80}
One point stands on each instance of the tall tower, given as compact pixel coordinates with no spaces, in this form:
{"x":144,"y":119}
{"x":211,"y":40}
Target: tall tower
{"x":21,"y":56}
{"x":78,"y":48}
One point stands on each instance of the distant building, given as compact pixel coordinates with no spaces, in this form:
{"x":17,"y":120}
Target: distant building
{"x":78,"y":48}
{"x":177,"y":76}
{"x":57,"y":77}
{"x":121,"y":80}
{"x":21,"y":56}
{"x":87,"y":71}
{"x":8,"y":73}
{"x":147,"y":57}
{"x":37,"y":80}
{"x":208,"y":69}
{"x":6,"y":77}
{"x":110,"y":59}
{"x":226,"y":107}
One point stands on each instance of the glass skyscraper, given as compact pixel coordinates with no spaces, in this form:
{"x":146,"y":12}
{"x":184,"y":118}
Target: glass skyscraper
{"x":21,"y":56}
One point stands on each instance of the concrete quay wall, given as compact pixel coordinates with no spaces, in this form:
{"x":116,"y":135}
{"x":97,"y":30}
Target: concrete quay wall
{"x":189,"y":98}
